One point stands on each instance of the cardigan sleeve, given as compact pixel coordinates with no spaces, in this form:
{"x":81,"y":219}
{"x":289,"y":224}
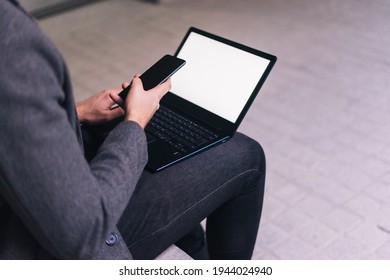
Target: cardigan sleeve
{"x":68,"y":205}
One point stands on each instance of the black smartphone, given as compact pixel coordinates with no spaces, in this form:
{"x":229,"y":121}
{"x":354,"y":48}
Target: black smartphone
{"x":158,"y":73}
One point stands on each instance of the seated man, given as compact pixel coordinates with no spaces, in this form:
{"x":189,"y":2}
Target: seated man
{"x":54,"y":204}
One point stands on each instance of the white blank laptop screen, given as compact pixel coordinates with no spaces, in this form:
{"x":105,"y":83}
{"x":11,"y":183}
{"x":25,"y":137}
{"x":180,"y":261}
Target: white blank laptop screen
{"x":217,"y":77}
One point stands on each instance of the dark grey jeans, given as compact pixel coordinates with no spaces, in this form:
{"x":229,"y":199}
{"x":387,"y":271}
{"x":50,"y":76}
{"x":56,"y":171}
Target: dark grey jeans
{"x":224,"y":184}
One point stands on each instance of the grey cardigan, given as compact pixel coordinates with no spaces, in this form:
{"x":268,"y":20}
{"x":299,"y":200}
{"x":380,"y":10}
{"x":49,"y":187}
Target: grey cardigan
{"x":53,"y":204}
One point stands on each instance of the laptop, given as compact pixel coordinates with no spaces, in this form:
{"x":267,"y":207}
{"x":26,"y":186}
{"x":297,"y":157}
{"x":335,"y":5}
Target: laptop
{"x":209,"y":97}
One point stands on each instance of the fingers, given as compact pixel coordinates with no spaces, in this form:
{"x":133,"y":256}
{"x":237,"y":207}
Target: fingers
{"x":117,"y":99}
{"x":115,"y":112}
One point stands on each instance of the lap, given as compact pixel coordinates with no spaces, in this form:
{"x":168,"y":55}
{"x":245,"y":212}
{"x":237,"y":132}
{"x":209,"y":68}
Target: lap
{"x":167,"y":204}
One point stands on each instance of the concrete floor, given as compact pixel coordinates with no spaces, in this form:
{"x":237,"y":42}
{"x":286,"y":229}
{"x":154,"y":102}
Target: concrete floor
{"x":322,"y":117}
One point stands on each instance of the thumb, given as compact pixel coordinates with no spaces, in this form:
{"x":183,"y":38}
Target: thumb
{"x":162,"y":89}
{"x":136,"y":83}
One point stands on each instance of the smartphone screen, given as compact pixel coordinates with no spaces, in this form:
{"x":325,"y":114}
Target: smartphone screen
{"x":158,"y":73}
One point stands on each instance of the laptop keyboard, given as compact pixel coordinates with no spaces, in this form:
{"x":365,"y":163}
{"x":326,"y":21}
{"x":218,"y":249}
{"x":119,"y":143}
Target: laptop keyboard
{"x":178,"y":131}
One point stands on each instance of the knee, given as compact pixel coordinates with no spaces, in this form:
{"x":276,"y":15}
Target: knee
{"x":255,"y":160}
{"x":252,"y":153}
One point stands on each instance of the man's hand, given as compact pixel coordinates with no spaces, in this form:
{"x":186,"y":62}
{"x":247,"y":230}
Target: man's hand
{"x":97,"y":108}
{"x":140,"y":105}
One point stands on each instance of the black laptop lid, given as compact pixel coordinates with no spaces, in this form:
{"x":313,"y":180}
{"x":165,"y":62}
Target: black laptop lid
{"x":220,"y":80}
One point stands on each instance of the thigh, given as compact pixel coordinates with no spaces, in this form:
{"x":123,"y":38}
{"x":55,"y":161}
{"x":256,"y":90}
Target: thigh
{"x":168,"y":204}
